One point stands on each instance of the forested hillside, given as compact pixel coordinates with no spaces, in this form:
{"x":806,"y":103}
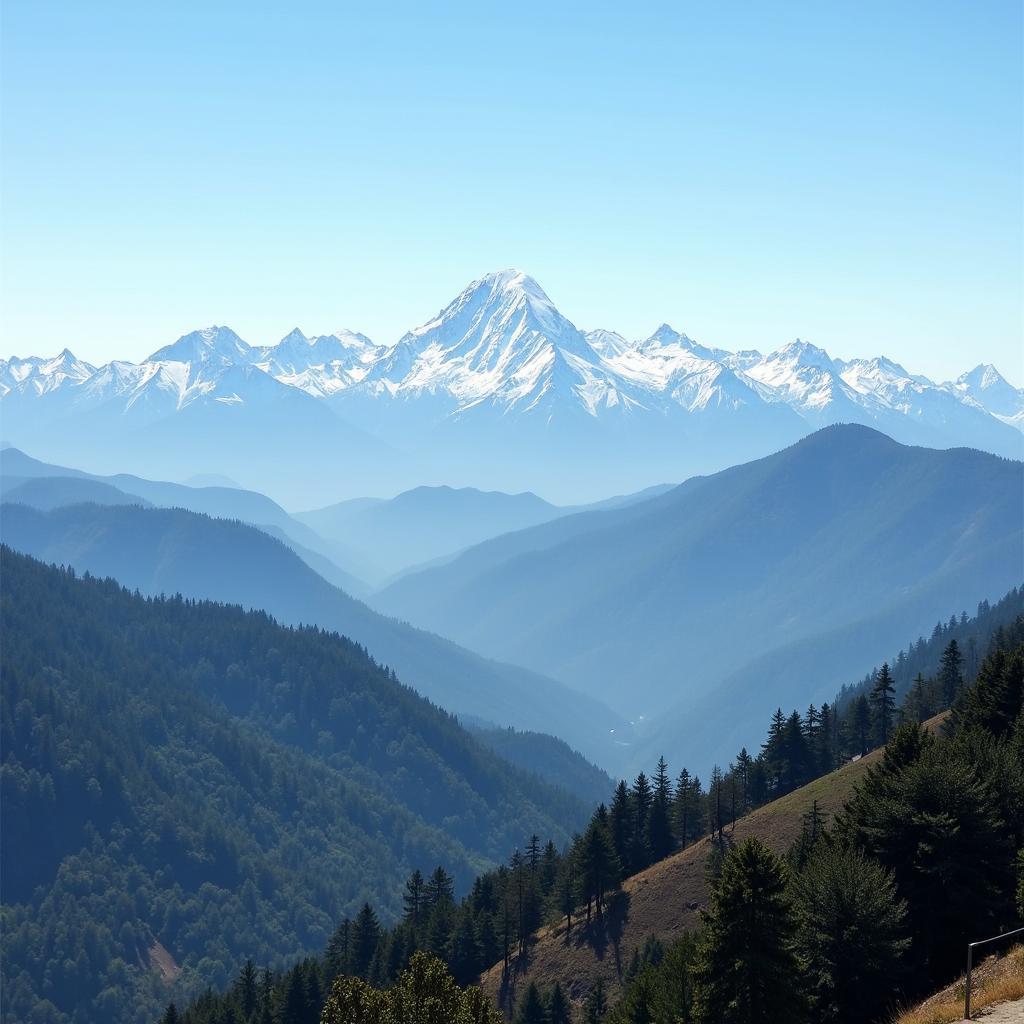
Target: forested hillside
{"x":620,"y":909}
{"x":175,"y":551}
{"x":186,"y":784}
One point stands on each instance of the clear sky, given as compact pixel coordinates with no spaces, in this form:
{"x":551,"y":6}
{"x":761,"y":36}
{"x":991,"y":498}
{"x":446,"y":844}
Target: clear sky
{"x":849,"y":173}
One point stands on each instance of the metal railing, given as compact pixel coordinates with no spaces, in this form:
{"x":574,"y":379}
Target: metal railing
{"x":970,"y":958}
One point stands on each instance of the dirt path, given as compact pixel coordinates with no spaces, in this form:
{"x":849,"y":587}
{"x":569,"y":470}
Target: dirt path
{"x":1003,"y":1013}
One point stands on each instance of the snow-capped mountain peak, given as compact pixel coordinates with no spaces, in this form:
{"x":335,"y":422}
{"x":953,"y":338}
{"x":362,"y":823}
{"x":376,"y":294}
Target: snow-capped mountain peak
{"x":986,"y":386}
{"x":217,"y":345}
{"x":501,"y":353}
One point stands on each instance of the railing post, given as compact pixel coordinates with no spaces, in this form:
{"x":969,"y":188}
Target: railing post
{"x":967,"y":987}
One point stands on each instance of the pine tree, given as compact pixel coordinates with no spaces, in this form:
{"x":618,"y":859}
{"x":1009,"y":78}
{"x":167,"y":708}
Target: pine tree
{"x":531,"y":1007}
{"x":338,"y":950}
{"x":600,"y":871}
{"x":439,"y":888}
{"x":464,"y":957}
{"x":596,"y":1006}
{"x":825,"y":755}
{"x":414,"y":898}
{"x":170,"y":1015}
{"x":950,"y":676}
{"x":744,"y":769}
{"x":558,"y":1009}
{"x":246,"y":989}
{"x":363,"y":943}
{"x":682,"y":809}
{"x":921,"y":704}
{"x":861,"y":724}
{"x":621,"y":822}
{"x":659,"y":826}
{"x":883,"y":703}
{"x":533,"y":853}
{"x":715,"y":815}
{"x":747,"y":970}
{"x":641,"y":800}
{"x":925,"y":814}
{"x":852,"y":934}
{"x":293,"y":1006}
{"x":772,"y":751}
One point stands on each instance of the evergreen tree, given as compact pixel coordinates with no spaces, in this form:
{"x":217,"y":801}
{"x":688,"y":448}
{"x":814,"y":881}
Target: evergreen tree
{"x":531,"y":1007}
{"x":715,"y":814}
{"x":363,"y":943}
{"x":995,"y":701}
{"x":642,"y":797}
{"x":921,"y":704}
{"x":924,"y":814}
{"x":852,"y":934}
{"x":621,"y":822}
{"x":439,"y":888}
{"x":533,"y":853}
{"x":294,"y":1008}
{"x":744,"y":770}
{"x":682,"y":809}
{"x":246,"y":989}
{"x":600,"y":871}
{"x":861,"y":721}
{"x":464,"y":958}
{"x":596,"y":1007}
{"x":883,"y":703}
{"x":558,"y":1009}
{"x":747,"y":971}
{"x":773,"y":751}
{"x":950,"y":676}
{"x":338,"y":950}
{"x":414,"y":898}
{"x":170,"y":1015}
{"x":659,"y":826}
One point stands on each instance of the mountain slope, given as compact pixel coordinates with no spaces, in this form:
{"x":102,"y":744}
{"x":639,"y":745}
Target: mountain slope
{"x":214,"y":787}
{"x":845,"y":531}
{"x":174,"y":551}
{"x":664,"y":900}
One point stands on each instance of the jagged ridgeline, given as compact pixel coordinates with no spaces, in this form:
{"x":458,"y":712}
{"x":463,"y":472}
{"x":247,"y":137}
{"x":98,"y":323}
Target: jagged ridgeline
{"x":186,"y":785}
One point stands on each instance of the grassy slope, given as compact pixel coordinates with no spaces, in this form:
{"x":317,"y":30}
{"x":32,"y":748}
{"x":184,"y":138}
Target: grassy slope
{"x":664,"y":900}
{"x":996,"y":981}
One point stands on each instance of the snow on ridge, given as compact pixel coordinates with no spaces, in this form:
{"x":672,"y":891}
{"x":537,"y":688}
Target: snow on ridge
{"x":502,"y":343}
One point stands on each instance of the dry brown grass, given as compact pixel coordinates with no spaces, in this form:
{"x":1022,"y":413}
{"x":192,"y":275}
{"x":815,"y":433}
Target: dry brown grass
{"x":995,"y":980}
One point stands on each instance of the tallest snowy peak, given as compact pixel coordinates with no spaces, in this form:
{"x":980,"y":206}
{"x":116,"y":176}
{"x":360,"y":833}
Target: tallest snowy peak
{"x":212,"y":344}
{"x":506,"y":302}
{"x":512,"y":280}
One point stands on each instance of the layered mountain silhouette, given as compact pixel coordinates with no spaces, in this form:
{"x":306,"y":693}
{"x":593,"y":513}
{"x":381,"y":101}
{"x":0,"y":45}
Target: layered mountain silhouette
{"x":173,"y":551}
{"x":732,"y":584}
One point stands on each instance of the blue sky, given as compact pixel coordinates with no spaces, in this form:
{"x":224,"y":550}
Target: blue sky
{"x":849,"y":173}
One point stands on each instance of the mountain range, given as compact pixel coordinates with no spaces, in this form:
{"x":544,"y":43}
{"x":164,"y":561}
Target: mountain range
{"x":498,"y":390}
{"x":712,"y":602}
